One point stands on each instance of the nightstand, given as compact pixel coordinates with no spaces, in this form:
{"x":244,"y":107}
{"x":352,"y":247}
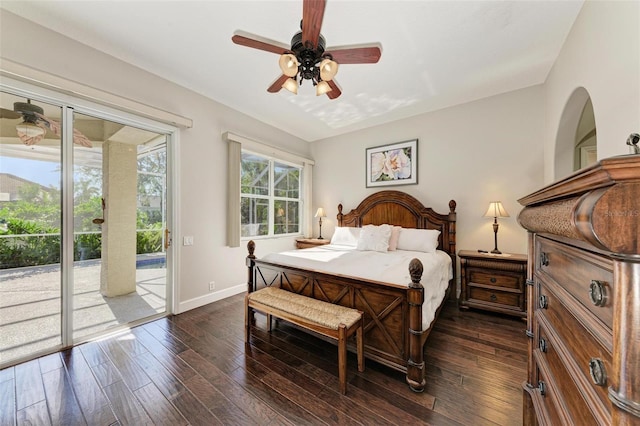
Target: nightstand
{"x":493,"y":282}
{"x":302,"y":243}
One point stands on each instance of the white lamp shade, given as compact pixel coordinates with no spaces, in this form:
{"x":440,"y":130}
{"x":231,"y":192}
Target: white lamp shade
{"x":291,"y":85}
{"x":320,"y":212}
{"x":288,"y":64}
{"x":496,"y":210}
{"x":328,"y":69}
{"x":322,"y":88}
{"x":29,"y":129}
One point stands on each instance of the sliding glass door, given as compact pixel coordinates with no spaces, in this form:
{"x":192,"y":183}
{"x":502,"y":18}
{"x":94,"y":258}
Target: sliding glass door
{"x":30,"y":229}
{"x":83,"y":214}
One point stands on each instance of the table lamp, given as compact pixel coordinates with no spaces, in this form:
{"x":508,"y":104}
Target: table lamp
{"x":495,"y":211}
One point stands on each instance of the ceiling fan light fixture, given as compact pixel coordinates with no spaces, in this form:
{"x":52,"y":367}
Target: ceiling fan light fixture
{"x":328,"y":69}
{"x":30,"y":129}
{"x":291,"y":85}
{"x":322,"y":88}
{"x":288,"y":64}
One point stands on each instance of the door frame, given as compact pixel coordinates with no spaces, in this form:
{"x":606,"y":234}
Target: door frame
{"x":71,"y":104}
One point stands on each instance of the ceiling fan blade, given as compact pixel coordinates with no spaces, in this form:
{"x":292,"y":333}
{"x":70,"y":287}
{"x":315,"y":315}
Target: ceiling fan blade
{"x":335,"y":90}
{"x":7,"y":113}
{"x":54,"y":126}
{"x":277,"y":85}
{"x":260,"y":43}
{"x":360,"y":54}
{"x":312,"y":15}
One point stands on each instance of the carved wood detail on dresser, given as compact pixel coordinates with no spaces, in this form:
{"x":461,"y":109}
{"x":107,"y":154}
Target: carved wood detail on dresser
{"x":583,"y":291}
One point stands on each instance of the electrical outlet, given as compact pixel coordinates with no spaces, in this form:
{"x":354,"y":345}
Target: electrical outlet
{"x":187,"y":240}
{"x":212,"y":285}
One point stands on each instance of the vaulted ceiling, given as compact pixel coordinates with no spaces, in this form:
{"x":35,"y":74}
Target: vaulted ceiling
{"x":435,"y":54}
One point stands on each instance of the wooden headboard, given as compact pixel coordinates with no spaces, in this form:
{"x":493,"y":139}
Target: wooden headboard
{"x":401,"y":209}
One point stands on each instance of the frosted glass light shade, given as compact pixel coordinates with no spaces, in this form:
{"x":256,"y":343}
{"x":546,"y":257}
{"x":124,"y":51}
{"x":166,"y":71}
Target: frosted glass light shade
{"x":29,"y":129}
{"x":328,"y":69}
{"x":322,"y":88}
{"x":288,"y":64}
{"x":291,"y":85}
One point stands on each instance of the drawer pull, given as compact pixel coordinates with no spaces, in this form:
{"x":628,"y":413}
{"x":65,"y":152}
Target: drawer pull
{"x":493,"y":280}
{"x":544,"y":259}
{"x":493,"y":297}
{"x":597,"y":293}
{"x":542,"y":388}
{"x":543,"y":302}
{"x":543,"y":345}
{"x":598,"y":372}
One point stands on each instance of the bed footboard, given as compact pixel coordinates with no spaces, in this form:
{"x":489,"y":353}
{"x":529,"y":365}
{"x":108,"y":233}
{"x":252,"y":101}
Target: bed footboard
{"x":393,"y":333}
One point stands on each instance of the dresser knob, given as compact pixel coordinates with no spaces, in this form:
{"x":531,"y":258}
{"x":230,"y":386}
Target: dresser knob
{"x":493,"y":297}
{"x":598,"y":372}
{"x":544,"y":259}
{"x":543,"y":302}
{"x":542,"y":388}
{"x":597,"y":293}
{"x":493,"y":280}
{"x":543,"y":345}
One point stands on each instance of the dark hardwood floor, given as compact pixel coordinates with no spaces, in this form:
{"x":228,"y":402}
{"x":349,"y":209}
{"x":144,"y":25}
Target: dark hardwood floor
{"x":194,"y":368}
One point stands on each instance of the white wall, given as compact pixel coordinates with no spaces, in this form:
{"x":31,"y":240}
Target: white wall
{"x":601,"y":54}
{"x":474,"y":153}
{"x":202,"y":153}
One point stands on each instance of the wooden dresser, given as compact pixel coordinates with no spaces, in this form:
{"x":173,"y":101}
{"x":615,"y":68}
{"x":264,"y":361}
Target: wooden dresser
{"x":583,"y":310}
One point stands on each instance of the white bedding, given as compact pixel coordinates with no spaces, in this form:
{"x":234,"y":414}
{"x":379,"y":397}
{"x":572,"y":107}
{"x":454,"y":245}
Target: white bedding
{"x":389,"y":267}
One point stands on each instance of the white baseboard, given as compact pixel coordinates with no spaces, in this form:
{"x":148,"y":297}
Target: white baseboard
{"x":187,"y":305}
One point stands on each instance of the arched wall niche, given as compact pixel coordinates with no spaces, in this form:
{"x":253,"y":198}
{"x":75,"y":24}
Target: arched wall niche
{"x":576,"y":144}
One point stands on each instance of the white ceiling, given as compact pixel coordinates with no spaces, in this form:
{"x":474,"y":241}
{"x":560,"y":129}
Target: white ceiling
{"x":435,"y":54}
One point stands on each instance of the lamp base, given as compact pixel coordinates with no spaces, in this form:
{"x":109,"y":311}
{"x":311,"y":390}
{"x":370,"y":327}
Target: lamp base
{"x":496,"y":251}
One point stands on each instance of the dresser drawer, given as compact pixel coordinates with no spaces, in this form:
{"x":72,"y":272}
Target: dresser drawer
{"x":584,"y":407}
{"x":587,"y":358}
{"x":586,"y":276}
{"x":546,"y":394}
{"x":495,"y":279}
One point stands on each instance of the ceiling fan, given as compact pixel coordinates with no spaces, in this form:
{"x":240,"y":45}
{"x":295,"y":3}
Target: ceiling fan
{"x":306,"y":58}
{"x":34,"y":124}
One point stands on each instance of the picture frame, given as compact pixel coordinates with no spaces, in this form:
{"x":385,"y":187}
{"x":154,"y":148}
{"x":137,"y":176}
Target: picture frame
{"x":393,"y":164}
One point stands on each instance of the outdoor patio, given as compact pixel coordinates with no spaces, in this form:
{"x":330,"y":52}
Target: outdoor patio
{"x":30,"y":304}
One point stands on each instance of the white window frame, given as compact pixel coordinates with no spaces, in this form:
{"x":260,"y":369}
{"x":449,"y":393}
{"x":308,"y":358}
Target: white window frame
{"x":271,"y":198}
{"x":237,"y":144}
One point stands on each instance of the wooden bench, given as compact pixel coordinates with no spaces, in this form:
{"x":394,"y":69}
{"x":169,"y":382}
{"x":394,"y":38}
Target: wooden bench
{"x":334,"y":321}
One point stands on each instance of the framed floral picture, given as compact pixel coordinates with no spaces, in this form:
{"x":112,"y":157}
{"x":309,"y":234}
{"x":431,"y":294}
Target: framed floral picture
{"x":395,"y":164}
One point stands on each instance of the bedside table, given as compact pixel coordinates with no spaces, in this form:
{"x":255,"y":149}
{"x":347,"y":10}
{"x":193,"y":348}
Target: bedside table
{"x":493,"y":282}
{"x":302,"y":243}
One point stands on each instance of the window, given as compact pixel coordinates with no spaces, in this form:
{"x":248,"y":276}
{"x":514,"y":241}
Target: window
{"x":270,"y":196}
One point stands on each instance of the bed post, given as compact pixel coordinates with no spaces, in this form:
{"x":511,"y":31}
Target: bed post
{"x":251,"y":246}
{"x":251,"y":264}
{"x":453,"y":285}
{"x":415,"y":296}
{"x":340,"y":216}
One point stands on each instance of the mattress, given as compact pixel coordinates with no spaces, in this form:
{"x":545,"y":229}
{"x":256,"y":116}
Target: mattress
{"x":388,"y":267}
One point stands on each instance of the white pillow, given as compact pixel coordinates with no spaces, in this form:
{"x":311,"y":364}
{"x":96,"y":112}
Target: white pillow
{"x":345,"y":236}
{"x":374,"y":238}
{"x":425,"y":240}
{"x":393,"y":240}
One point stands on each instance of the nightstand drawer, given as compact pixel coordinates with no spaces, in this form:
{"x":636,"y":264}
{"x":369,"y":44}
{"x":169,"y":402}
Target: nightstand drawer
{"x":500,"y":297}
{"x":495,"y":279}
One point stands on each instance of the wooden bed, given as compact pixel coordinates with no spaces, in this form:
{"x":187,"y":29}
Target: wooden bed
{"x":392,"y":313}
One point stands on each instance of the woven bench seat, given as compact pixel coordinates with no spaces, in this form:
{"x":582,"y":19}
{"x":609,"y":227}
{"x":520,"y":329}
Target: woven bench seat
{"x":327,"y":319}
